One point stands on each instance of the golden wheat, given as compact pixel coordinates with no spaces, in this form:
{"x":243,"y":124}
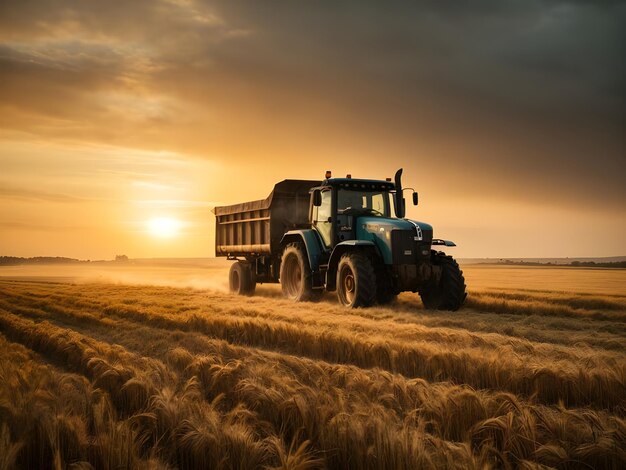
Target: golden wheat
{"x":115,"y":376}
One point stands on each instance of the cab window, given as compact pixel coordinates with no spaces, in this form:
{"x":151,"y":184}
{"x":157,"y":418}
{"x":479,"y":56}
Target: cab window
{"x":322,"y":218}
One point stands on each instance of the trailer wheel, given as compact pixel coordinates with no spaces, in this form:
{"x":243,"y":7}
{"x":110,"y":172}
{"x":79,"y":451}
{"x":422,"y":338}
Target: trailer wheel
{"x":356,"y":281}
{"x":449,"y":293}
{"x":295,"y":275}
{"x":241,"y":279}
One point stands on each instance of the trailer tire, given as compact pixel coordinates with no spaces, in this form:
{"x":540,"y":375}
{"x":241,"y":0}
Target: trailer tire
{"x":241,"y":279}
{"x":449,"y":293}
{"x":295,"y":275}
{"x":356,"y":281}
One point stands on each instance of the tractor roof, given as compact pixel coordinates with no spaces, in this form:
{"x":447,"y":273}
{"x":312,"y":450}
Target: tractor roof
{"x":361,"y":184}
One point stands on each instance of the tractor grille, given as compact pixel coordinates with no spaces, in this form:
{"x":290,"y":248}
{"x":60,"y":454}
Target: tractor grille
{"x":403,"y":246}
{"x":406,"y":250}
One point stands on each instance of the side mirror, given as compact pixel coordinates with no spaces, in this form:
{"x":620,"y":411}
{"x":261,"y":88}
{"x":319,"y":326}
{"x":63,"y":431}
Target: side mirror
{"x":414,"y":198}
{"x":317,"y":198}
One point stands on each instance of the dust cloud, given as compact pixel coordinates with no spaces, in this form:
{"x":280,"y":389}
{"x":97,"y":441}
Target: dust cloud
{"x":209,"y":274}
{"x":212,"y":274}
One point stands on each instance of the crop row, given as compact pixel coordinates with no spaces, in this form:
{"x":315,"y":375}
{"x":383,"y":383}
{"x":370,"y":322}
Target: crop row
{"x":452,"y":338}
{"x":403,"y":321}
{"x":499,"y":369}
{"x":347,"y":415}
{"x":600,"y":384}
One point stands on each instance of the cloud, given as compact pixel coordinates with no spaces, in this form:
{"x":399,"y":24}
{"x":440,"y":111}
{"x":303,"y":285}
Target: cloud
{"x":519,"y":98}
{"x":22,"y":194}
{"x":37,"y":227}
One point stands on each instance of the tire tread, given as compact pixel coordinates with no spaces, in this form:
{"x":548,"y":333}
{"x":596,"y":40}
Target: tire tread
{"x":308,"y":294}
{"x":365,"y":278}
{"x":450,"y":293}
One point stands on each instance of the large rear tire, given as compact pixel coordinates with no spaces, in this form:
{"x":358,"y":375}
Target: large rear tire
{"x":295,"y":275}
{"x":241,"y":279}
{"x":356,"y":281}
{"x":449,"y":293}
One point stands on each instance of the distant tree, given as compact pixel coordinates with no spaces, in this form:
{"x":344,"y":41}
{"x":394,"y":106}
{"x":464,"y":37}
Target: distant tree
{"x":121,"y":258}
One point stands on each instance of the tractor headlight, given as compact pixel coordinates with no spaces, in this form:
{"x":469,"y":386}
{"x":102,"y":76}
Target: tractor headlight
{"x":381,"y":230}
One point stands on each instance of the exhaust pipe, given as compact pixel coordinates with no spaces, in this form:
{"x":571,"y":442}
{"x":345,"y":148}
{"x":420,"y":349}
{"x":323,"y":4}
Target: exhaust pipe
{"x":399,"y":195}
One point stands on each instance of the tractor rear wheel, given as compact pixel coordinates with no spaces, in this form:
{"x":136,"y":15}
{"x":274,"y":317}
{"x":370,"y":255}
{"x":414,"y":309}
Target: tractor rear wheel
{"x":449,"y":292}
{"x":295,"y":275}
{"x":356,"y":281}
{"x":241,"y":280}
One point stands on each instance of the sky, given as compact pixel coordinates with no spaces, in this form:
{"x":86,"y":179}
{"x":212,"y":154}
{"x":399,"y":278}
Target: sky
{"x":123,"y":123}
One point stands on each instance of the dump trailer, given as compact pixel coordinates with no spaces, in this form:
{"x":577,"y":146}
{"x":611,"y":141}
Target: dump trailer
{"x":338,"y":234}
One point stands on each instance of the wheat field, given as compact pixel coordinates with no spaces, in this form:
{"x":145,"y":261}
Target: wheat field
{"x":160,"y":367}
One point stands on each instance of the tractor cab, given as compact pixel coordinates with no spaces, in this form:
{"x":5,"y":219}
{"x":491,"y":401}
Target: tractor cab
{"x":339,"y":203}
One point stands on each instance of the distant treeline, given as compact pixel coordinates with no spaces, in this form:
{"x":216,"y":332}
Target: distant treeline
{"x":14,"y":260}
{"x":593,"y":264}
{"x":576,"y":264}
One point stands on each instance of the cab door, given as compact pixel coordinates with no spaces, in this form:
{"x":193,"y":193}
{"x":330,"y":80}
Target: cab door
{"x":322,"y":218}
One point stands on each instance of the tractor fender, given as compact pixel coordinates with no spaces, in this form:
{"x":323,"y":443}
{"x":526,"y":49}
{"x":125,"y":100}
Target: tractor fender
{"x":311,"y":241}
{"x":338,"y":252}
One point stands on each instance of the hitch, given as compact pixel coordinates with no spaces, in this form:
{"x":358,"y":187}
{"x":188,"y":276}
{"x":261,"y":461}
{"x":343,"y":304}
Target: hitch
{"x":439,"y":241}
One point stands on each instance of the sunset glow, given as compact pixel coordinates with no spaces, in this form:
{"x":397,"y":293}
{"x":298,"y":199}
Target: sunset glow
{"x":511,"y":129}
{"x":164,"y":227}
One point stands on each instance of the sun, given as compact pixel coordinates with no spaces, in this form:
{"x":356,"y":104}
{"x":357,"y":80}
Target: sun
{"x":163,"y":227}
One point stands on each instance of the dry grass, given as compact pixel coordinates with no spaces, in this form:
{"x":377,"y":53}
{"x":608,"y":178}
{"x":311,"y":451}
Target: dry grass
{"x":99,"y":375}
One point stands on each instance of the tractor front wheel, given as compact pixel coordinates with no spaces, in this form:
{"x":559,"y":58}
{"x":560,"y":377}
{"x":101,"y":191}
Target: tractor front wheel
{"x":449,"y":292}
{"x":356,"y":281}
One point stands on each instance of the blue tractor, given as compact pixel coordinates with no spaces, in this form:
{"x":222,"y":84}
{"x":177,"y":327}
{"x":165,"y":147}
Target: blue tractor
{"x":339,"y":234}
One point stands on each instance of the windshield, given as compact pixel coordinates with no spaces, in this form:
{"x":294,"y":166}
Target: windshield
{"x":355,"y":202}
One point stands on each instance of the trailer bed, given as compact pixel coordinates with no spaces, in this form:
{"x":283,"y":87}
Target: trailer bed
{"x":256,"y":227}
